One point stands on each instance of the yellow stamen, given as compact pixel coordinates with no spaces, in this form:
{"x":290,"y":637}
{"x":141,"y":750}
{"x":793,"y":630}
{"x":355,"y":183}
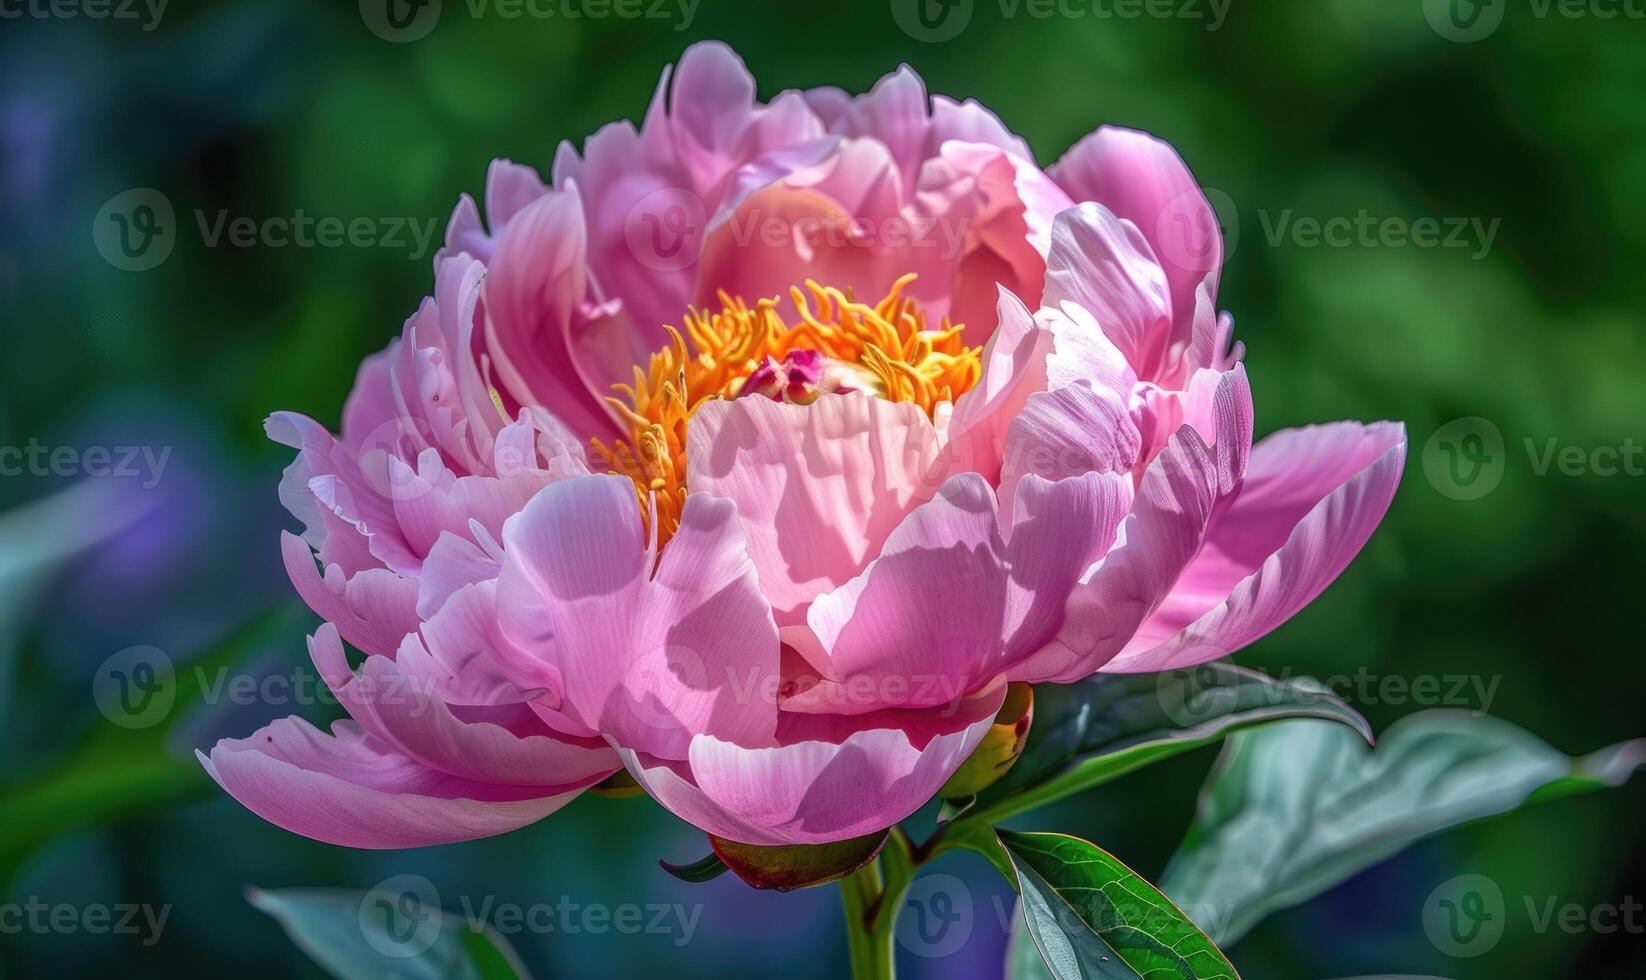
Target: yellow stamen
{"x":714,"y":353}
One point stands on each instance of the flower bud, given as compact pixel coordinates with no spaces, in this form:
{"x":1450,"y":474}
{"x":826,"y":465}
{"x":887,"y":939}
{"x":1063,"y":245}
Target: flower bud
{"x":999,"y":749}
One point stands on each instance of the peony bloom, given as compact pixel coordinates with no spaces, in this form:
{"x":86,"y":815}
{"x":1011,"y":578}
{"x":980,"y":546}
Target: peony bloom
{"x":759,"y":451}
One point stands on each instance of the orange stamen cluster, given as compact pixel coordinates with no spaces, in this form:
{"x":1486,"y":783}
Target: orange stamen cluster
{"x":888,"y":349}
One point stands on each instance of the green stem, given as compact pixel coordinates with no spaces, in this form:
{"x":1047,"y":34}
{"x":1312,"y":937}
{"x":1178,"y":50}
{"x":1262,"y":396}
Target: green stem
{"x":873,"y":897}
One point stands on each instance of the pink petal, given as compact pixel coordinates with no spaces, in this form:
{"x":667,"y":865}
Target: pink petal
{"x":1145,"y":181}
{"x":816,"y":790}
{"x":926,"y":619}
{"x":374,"y":609}
{"x":648,"y":660}
{"x":818,"y":487}
{"x":1014,"y":368}
{"x":952,"y":602}
{"x":534,"y":290}
{"x":782,"y":235}
{"x":1078,"y":417}
{"x":462,"y":656}
{"x":1001,"y":208}
{"x":1311,"y":499}
{"x":1158,"y":539}
{"x":353,"y":790}
{"x":1104,"y":264}
{"x":400,"y":710}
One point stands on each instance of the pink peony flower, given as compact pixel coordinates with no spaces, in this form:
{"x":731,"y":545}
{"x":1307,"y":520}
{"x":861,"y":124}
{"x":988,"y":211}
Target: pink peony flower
{"x":896,"y":423}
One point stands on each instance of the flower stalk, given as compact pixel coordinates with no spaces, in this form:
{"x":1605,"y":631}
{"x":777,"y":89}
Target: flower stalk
{"x":872,"y":898}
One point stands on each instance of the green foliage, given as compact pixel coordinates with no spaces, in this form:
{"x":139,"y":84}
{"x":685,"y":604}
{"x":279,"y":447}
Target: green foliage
{"x":1099,"y":729}
{"x":1298,"y":807}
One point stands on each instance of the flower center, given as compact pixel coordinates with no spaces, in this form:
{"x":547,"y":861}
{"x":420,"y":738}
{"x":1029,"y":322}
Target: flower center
{"x":835,"y":345}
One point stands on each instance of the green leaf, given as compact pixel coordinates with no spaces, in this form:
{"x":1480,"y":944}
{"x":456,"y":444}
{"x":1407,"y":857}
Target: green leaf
{"x":1093,"y":917}
{"x":397,"y":929}
{"x":800,"y":866}
{"x":1111,"y":724}
{"x":707,"y":869}
{"x":1295,"y":808}
{"x":975,"y":835}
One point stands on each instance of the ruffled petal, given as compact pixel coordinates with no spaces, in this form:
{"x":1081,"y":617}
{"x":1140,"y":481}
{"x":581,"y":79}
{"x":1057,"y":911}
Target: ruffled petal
{"x":404,"y":713}
{"x":864,"y":776}
{"x":1157,"y":540}
{"x":534,"y":295}
{"x":648,"y":660}
{"x":1311,"y":499}
{"x":1144,"y":181}
{"x":374,"y":609}
{"x":957,"y":595}
{"x":1104,"y":264}
{"x":353,"y":790}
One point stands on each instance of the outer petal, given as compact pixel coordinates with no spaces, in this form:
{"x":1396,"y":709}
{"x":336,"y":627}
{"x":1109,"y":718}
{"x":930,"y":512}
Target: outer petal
{"x":648,"y":660}
{"x":534,"y":294}
{"x":818,"y":789}
{"x":926,"y":619}
{"x":1000,"y":208}
{"x":1158,"y":539}
{"x":818,"y":487}
{"x":958,"y":596}
{"x":1143,"y":180}
{"x":399,"y":709}
{"x":353,"y":790}
{"x":1311,"y":500}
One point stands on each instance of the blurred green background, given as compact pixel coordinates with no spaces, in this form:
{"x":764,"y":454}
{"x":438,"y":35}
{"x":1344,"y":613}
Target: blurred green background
{"x":1321,"y":110}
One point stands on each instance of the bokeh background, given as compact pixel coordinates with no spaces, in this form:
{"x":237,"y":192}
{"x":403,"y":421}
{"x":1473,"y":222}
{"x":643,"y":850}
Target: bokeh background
{"x":1291,"y":111}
